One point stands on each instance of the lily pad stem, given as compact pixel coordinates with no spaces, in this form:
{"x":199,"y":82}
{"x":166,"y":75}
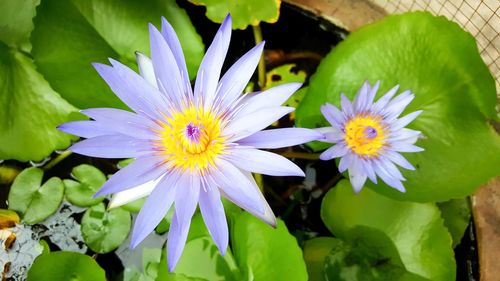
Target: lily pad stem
{"x":56,"y":160}
{"x":257,"y":33}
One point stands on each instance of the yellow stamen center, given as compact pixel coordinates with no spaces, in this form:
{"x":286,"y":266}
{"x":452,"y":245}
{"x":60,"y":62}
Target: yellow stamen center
{"x":364,"y":135}
{"x":191,"y":139}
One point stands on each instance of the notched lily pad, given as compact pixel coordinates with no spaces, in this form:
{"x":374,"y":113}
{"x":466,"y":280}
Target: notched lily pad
{"x":243,"y":12}
{"x":104,"y":230}
{"x":88,"y":180}
{"x":34,"y":202}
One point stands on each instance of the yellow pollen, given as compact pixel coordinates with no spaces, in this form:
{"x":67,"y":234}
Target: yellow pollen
{"x":191,"y":139}
{"x":364,"y":135}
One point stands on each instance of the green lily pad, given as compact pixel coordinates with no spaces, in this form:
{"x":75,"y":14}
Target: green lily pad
{"x":456,"y":214}
{"x":441,"y":64}
{"x":316,"y":250}
{"x":105,"y":230}
{"x":264,"y":252}
{"x":243,"y":12}
{"x":34,"y":202}
{"x":31,"y":110}
{"x":368,"y":255}
{"x":416,"y":229}
{"x":81,"y":192}
{"x":70,"y":35}
{"x":63,"y":266}
{"x":16,"y":22}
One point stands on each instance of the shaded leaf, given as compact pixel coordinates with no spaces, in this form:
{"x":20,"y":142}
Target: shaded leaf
{"x":441,"y":64}
{"x":456,"y":214}
{"x":416,"y":229}
{"x":16,"y":22}
{"x":243,"y":12}
{"x":31,"y":110}
{"x":34,"y":202}
{"x":8,"y":218}
{"x":104,"y":230}
{"x":63,"y":266}
{"x":315,"y":252}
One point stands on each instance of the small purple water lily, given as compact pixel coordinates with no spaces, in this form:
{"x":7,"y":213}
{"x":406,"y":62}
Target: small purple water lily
{"x":369,"y":136}
{"x":190,"y":147}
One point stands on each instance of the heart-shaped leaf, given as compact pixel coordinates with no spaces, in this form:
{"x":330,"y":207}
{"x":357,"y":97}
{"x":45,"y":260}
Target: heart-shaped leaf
{"x":34,"y":202}
{"x":81,"y":192}
{"x":65,"y":266}
{"x":440,"y":63}
{"x":416,"y":229}
{"x":104,"y":230}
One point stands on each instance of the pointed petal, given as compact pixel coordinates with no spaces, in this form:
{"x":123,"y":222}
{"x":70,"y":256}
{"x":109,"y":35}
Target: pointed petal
{"x":367,"y":166}
{"x":262,"y":162}
{"x":112,"y":146}
{"x":388,"y":178}
{"x":140,"y":171}
{"x":154,"y":209}
{"x":85,"y":129}
{"x":124,"y":197}
{"x":212,"y":210}
{"x":236,"y":187}
{"x":331,"y":135}
{"x":335,"y":151}
{"x":274,"y":96}
{"x":268,"y":215}
{"x":252,"y":123}
{"x":405,"y":120}
{"x":186,"y":199}
{"x":172,"y":40}
{"x":361,"y":98}
{"x":371,"y":96}
{"x":132,"y":89}
{"x":146,"y":68}
{"x":405,"y":147}
{"x":345,"y":162}
{"x":333,"y":115}
{"x":211,"y":65}
{"x":277,"y":138}
{"x":236,"y":78}
{"x":399,"y":159}
{"x":396,"y":106}
{"x":357,"y":176}
{"x":346,"y":106}
{"x":384,"y":100}
{"x":165,"y":67}
{"x":405,"y":135}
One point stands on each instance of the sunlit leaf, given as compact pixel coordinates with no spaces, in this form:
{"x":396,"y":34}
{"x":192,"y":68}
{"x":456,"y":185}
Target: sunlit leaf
{"x":264,"y":252}
{"x":456,"y":214}
{"x":63,"y":266}
{"x":104,"y":230}
{"x":31,"y":110}
{"x":441,"y":64}
{"x":70,"y":35}
{"x":34,"y":202}
{"x":89,"y":180}
{"x":416,"y":229}
{"x":243,"y":12}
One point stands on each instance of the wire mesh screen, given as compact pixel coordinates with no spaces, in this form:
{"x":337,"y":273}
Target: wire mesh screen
{"x":480,"y":18}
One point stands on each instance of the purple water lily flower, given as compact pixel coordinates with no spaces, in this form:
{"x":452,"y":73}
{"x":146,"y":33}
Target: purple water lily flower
{"x":190,"y":147}
{"x":369,"y":136}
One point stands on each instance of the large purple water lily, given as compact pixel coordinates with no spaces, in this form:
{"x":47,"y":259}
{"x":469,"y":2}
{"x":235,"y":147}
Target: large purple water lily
{"x":369,"y":136}
{"x":190,"y":147}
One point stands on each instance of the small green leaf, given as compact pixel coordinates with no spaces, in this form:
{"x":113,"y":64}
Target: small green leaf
{"x":81,"y":192}
{"x":438,"y":61}
{"x":64,"y":266}
{"x":105,"y":230}
{"x":416,"y":229}
{"x":243,"y":12}
{"x":45,"y":245}
{"x":135,"y":206}
{"x":315,"y":252}
{"x":456,"y":215}
{"x":31,"y":110}
{"x":70,"y":35}
{"x":264,"y":252}
{"x":34,"y":202}
{"x":16,"y":22}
